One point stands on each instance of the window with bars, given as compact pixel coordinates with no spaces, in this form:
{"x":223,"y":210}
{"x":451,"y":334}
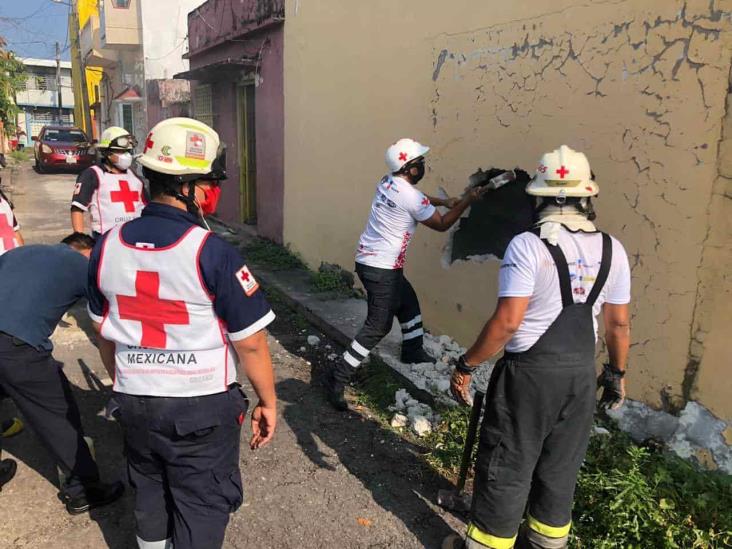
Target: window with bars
{"x":203,"y":104}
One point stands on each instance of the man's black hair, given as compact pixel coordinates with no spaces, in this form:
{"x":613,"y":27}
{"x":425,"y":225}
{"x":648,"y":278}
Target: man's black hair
{"x":79,"y":241}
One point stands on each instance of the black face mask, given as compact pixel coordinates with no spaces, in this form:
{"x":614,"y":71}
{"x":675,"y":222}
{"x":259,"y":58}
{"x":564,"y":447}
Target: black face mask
{"x":419,"y":166}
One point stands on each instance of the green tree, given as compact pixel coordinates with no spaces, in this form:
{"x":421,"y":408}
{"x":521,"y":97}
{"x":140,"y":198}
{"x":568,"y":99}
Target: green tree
{"x":12,"y":80}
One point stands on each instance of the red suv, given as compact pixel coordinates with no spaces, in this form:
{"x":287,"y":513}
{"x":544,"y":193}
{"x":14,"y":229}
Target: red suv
{"x":62,"y":147}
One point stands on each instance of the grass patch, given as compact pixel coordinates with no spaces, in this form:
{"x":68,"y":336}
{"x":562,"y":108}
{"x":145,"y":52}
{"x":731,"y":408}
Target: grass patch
{"x":21,"y":155}
{"x":333,"y":282}
{"x":272,"y":255}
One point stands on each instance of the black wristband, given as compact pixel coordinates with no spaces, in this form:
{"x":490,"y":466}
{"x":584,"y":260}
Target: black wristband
{"x":613,"y":371}
{"x":463,"y":367}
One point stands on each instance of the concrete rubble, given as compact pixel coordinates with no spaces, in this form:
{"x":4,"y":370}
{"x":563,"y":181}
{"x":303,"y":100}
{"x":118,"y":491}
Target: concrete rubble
{"x":419,"y":417}
{"x":313,"y":340}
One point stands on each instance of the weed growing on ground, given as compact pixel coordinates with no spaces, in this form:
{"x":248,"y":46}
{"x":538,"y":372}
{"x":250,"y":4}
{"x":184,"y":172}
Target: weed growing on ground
{"x":332,"y":282}
{"x":21,"y":155}
{"x":273,"y":256}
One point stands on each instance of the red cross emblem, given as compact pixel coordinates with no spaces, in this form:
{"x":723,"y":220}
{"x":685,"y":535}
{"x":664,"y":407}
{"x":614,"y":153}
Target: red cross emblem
{"x":562,"y":172}
{"x":196,"y":139}
{"x":124,"y":194}
{"x":403,"y":156}
{"x":149,"y":142}
{"x":7,"y":234}
{"x":425,"y":201}
{"x":154,"y":313}
{"x":245,"y":276}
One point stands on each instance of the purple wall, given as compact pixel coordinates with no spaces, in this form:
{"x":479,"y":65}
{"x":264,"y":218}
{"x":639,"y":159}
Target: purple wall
{"x":264,"y":38}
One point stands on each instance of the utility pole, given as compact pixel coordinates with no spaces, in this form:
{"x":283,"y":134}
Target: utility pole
{"x":58,"y":84}
{"x":84,"y":92}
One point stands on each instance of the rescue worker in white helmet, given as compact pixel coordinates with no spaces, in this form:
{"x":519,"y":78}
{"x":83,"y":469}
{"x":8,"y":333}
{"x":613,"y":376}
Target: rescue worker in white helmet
{"x":109,"y":191}
{"x":177,"y":308}
{"x":553,"y":283}
{"x":396,"y":210}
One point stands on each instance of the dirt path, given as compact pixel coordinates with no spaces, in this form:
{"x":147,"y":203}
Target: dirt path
{"x":329,"y":479}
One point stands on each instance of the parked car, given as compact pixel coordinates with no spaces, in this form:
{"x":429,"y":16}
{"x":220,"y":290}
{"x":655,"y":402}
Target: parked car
{"x":62,"y":147}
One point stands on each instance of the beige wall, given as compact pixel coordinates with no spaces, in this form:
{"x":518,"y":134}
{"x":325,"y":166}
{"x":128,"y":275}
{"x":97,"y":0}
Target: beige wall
{"x":639,"y":86}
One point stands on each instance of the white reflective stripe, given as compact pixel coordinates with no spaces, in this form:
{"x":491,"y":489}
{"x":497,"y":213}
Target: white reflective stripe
{"x":414,"y":333}
{"x":162,"y":544}
{"x":79,"y":205}
{"x":417,"y":319}
{"x":360,"y":349}
{"x":253,"y":328}
{"x":348,"y":357}
{"x":96,"y":318}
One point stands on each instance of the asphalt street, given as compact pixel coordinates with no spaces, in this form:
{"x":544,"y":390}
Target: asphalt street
{"x":328,"y":479}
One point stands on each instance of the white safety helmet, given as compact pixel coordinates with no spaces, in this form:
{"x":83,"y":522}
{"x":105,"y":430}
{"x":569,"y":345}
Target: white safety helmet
{"x":118,"y":138}
{"x":185,"y":148}
{"x":563,"y":172}
{"x":403,"y":151}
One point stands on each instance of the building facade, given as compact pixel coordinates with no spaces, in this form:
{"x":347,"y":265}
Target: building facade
{"x":135,"y":46}
{"x":237,"y":87}
{"x":39,"y":101}
{"x":641,"y":87}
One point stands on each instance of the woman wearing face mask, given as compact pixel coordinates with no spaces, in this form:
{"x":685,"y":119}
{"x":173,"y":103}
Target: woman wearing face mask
{"x":109,"y":191}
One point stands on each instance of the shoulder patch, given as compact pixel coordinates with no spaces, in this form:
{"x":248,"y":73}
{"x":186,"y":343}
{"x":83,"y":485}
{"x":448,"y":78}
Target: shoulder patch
{"x":247,"y":281}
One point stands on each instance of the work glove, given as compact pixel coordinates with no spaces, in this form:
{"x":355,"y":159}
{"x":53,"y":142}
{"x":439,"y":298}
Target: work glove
{"x":460,"y":383}
{"x":613,"y":387}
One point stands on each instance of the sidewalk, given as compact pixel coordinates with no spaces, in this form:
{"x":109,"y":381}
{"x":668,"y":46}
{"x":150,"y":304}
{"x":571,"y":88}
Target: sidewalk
{"x":341,"y":318}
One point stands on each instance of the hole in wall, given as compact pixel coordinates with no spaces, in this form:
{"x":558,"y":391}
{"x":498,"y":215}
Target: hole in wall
{"x":493,"y":221}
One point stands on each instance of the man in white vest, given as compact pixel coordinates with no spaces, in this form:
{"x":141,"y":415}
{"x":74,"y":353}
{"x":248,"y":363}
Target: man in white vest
{"x":110,"y":191}
{"x":177,"y":310}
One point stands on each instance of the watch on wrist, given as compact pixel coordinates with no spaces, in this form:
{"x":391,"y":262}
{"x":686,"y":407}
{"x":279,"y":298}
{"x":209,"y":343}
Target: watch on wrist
{"x":463,"y":367}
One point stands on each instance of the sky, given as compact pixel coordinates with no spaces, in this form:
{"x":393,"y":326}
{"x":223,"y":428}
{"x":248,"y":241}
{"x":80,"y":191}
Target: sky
{"x":32,"y":27}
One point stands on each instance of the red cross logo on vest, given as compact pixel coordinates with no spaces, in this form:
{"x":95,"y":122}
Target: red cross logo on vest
{"x":562,"y":172}
{"x":124,"y":194}
{"x":154,"y":313}
{"x":7,"y":234}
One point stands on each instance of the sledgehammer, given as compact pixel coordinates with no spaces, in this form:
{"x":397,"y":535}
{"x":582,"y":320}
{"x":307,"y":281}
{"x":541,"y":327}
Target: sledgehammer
{"x":455,"y":500}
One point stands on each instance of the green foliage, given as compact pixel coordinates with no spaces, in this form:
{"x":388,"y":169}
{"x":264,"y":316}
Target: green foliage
{"x":21,"y":155}
{"x":448,"y":439}
{"x":273,"y":256}
{"x":12,"y":80}
{"x":330,"y":281}
{"x":637,"y":497}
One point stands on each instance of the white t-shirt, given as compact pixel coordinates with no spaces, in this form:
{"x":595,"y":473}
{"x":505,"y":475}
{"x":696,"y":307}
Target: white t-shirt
{"x":397,"y":208}
{"x":8,"y":227}
{"x":528,"y":270}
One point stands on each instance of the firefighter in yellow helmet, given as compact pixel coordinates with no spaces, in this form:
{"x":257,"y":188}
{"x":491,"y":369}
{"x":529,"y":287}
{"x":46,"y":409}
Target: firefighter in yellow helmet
{"x":177,"y":308}
{"x":553,"y":283}
{"x":110,"y":191}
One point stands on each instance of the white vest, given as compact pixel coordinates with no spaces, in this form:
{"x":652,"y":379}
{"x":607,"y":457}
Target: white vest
{"x":169,"y":341}
{"x":8,"y":238}
{"x":119,"y":198}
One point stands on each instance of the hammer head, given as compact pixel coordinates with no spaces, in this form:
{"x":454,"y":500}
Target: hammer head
{"x":453,"y":500}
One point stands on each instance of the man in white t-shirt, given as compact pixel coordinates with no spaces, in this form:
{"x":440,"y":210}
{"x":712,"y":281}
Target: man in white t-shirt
{"x":554,"y":281}
{"x":397,"y":208}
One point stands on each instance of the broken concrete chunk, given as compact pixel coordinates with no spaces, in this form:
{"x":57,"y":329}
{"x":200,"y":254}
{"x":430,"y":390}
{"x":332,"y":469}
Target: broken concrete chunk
{"x":421,"y":425}
{"x":313,"y":340}
{"x":399,"y":421}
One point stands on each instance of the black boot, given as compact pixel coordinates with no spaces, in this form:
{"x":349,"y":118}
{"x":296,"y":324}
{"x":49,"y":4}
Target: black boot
{"x":416,"y":356}
{"x":94,"y":495}
{"x":8,"y":467}
{"x":338,"y":378}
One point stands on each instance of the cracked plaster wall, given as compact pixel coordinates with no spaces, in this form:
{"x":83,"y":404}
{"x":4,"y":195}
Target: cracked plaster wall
{"x":640,"y":86}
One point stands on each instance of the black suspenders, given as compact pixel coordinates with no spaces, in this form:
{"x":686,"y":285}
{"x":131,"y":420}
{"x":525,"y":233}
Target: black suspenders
{"x":565,"y":285}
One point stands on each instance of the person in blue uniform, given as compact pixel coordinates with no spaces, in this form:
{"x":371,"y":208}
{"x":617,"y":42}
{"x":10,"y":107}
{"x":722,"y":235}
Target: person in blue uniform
{"x":177,"y":308}
{"x":53,"y":278}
